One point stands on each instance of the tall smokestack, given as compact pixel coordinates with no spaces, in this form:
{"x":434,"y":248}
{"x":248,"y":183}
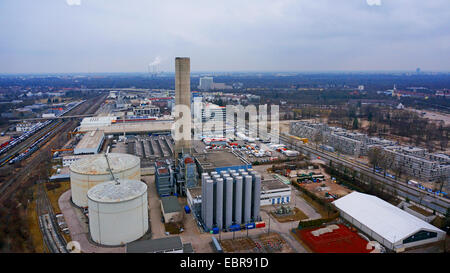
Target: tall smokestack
{"x":183,"y":97}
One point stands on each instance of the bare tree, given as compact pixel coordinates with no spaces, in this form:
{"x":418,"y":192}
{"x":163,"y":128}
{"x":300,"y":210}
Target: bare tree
{"x":318,"y":138}
{"x":375,"y":156}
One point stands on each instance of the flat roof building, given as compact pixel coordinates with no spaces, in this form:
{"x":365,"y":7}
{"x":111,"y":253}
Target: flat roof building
{"x":219,"y":161}
{"x":163,"y":245}
{"x":90,"y":143}
{"x":274,"y":192}
{"x":171,"y":209}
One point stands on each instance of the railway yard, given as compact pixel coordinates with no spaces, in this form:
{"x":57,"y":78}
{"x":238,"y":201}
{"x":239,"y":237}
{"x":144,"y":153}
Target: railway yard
{"x":27,"y":162}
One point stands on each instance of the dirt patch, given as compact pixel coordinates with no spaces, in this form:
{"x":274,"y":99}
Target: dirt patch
{"x":239,"y":245}
{"x":420,"y":210}
{"x":297,"y":215}
{"x":273,"y":242}
{"x":173,"y":228}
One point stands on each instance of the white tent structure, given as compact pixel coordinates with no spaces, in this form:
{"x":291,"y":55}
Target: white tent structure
{"x":391,"y":226}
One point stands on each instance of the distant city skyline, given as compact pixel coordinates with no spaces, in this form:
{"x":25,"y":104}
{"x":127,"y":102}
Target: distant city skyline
{"x":100,"y":36}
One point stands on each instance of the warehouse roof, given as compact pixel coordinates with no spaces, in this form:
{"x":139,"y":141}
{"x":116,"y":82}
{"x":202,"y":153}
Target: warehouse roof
{"x":90,"y":140}
{"x":273,"y":184}
{"x":215,"y":159}
{"x":388,"y":221}
{"x":155,"y":245}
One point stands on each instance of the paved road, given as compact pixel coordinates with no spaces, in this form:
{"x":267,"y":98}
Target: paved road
{"x":78,"y":231}
{"x":157,"y":227}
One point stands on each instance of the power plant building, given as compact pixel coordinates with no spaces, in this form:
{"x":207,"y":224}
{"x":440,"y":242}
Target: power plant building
{"x":230,"y":198}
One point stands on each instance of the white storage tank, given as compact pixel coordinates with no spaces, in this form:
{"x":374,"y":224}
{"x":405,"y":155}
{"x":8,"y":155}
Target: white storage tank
{"x":118,"y":212}
{"x":93,"y":169}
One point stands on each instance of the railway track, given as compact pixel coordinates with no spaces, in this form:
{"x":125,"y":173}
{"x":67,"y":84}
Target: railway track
{"x":52,"y":238}
{"x":8,"y":187}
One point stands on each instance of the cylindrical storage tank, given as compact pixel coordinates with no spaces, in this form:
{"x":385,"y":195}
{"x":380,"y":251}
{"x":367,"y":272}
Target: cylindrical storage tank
{"x":205,"y":176}
{"x":228,"y":202}
{"x":118,"y":212}
{"x":237,"y":200}
{"x":256,"y":197}
{"x":247,"y":209}
{"x":218,"y":199}
{"x":92,"y":170}
{"x":209,"y":204}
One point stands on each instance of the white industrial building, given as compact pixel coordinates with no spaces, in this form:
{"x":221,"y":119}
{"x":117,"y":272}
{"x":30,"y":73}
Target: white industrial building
{"x":95,"y":169}
{"x":118,"y":212}
{"x":69,"y":159}
{"x":389,"y":225}
{"x":91,"y":143}
{"x":94,"y":122}
{"x":274,"y":192}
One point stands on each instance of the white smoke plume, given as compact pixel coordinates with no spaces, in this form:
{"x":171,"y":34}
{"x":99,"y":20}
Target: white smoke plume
{"x":155,"y":62}
{"x":73,"y":2}
{"x":373,"y":2}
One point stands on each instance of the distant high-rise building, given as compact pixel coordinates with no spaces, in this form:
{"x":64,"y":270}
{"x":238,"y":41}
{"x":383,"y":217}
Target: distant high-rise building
{"x":206,"y":83}
{"x":418,"y":70}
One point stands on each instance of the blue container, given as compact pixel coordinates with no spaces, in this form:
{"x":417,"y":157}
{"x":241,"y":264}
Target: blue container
{"x":250,"y":226}
{"x":215,"y":230}
{"x":187,"y":209}
{"x":234,"y":228}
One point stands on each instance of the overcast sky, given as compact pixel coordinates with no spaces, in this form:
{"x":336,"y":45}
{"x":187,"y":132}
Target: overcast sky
{"x":231,"y":35}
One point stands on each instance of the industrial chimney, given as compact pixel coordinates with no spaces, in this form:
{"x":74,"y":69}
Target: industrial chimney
{"x":183,"y":97}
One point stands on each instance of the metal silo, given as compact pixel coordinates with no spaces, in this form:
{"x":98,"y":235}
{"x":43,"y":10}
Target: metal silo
{"x":218,"y":200}
{"x":228,"y":202}
{"x":95,"y":169}
{"x":118,"y":212}
{"x":209,"y":204}
{"x":205,"y":176}
{"x":238,"y":200}
{"x":256,"y":197}
{"x":247,"y":208}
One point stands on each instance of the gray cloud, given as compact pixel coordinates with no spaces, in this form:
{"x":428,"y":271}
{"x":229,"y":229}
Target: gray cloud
{"x":102,"y":35}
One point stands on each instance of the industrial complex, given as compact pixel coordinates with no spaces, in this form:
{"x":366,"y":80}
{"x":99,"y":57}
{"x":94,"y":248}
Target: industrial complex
{"x":137,"y":183}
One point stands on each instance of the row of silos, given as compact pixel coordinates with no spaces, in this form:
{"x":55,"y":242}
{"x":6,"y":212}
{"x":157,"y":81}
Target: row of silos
{"x":231,"y":197}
